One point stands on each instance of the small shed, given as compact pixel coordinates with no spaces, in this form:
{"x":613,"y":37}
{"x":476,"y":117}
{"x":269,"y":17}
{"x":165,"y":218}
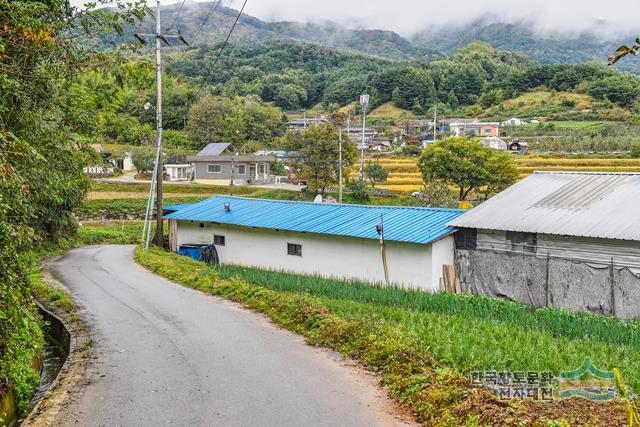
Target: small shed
{"x":330,"y":240}
{"x":561,"y":239}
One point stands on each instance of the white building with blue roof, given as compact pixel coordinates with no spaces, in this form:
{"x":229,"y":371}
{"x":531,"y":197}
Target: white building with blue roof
{"x":330,"y":240}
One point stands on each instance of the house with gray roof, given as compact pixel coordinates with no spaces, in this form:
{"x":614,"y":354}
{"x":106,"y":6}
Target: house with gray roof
{"x":558,"y":239}
{"x":213,"y":165}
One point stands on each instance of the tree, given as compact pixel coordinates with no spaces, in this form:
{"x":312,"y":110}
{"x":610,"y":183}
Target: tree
{"x":467,"y":165}
{"x":436,"y":194}
{"x":206,"y":119}
{"x":318,"y":157}
{"x":278,"y":169}
{"x":621,"y":89}
{"x":244,"y":121}
{"x":376,"y":173}
{"x":143,"y":160}
{"x":46,"y":125}
{"x":358,"y":189}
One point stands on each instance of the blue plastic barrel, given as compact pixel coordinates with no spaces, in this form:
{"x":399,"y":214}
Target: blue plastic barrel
{"x":192,"y":251}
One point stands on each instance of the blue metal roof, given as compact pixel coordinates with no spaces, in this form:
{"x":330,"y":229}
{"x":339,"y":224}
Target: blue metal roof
{"x":401,"y":224}
{"x":176,"y":207}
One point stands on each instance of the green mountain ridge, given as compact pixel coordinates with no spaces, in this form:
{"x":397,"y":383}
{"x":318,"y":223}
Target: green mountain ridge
{"x":428,"y":45}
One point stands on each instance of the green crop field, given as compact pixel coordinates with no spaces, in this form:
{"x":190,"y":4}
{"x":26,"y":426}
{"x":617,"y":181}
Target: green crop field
{"x":418,"y":340}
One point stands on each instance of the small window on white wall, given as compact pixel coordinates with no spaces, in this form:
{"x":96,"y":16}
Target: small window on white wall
{"x":242,"y":169}
{"x":262,"y":168}
{"x":294,"y":249}
{"x":214,"y":168}
{"x":218,"y":240}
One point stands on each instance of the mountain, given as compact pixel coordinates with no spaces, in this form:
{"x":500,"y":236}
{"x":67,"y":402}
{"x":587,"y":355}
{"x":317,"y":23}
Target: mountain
{"x":432,"y":44}
{"x":520,"y":37}
{"x":379,"y":43}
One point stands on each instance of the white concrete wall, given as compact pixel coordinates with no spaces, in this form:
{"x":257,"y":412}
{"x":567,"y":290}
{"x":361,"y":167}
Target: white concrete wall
{"x":411,"y":265}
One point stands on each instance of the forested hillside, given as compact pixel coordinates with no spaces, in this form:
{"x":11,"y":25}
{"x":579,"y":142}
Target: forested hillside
{"x":296,"y":76}
{"x":429,"y":44}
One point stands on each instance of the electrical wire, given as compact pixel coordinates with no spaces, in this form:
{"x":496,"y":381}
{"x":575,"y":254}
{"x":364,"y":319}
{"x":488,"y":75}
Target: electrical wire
{"x":214,"y":6}
{"x":175,"y":19}
{"x":226,"y":41}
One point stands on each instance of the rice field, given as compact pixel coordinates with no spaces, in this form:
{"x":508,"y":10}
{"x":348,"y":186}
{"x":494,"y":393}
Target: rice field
{"x":405,"y":177}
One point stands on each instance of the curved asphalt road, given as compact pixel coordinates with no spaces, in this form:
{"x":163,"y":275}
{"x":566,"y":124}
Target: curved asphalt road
{"x":167,"y":355}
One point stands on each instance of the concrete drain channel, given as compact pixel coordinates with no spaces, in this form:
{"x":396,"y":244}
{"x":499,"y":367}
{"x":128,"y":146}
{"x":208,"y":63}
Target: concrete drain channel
{"x":57,"y":347}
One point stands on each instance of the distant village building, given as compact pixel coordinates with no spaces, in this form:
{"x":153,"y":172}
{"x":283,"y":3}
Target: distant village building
{"x":355,"y":134}
{"x":558,"y":239}
{"x":330,"y":240}
{"x":109,"y":164}
{"x":178,"y":171}
{"x":301,"y":124}
{"x":514,"y":121}
{"x":210,"y":165}
{"x":473,"y":128}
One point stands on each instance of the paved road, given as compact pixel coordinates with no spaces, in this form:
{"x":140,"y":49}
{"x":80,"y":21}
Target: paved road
{"x":167,"y":355}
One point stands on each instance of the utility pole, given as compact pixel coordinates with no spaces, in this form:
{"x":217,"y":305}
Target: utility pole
{"x":340,"y":167}
{"x":435,"y":122}
{"x":364,"y":101}
{"x":156,"y":181}
{"x":233,"y":170}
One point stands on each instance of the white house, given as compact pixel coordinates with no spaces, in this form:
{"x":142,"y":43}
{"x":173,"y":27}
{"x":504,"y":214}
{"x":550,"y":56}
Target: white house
{"x":179,"y":172}
{"x":330,"y":240}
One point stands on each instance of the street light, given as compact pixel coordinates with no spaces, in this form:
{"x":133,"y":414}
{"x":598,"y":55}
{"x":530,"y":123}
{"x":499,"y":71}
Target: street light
{"x":364,"y":102}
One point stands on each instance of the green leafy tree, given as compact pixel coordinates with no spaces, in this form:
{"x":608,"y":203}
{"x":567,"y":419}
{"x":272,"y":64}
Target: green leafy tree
{"x":143,"y":160}
{"x":358,"y":189}
{"x":318,"y":158}
{"x":278,"y":169}
{"x":375,"y":173}
{"x":467,"y":165}
{"x":436,"y":194}
{"x":47,"y":121}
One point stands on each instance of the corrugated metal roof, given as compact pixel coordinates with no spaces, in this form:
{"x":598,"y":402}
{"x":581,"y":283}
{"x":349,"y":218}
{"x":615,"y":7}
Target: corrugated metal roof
{"x":402,"y":224}
{"x":176,"y":207}
{"x":585,"y":204}
{"x":214,"y":149}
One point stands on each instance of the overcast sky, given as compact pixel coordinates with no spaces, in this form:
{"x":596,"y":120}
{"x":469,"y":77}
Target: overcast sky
{"x":410,"y":16}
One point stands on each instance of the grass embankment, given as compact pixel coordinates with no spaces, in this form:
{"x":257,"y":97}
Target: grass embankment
{"x":422,"y":344}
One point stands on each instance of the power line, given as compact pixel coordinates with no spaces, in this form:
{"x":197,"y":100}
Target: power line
{"x":176,"y":17}
{"x":214,"y":6}
{"x":215,"y":62}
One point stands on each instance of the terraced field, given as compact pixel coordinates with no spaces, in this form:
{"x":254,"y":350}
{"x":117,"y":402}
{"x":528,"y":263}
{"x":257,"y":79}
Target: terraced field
{"x":404,"y":176}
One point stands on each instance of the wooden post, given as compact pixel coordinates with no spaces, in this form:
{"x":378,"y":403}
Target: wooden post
{"x":613,"y":289}
{"x":546,"y":283}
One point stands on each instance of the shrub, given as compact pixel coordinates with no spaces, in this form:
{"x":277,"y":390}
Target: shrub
{"x":359,"y":190}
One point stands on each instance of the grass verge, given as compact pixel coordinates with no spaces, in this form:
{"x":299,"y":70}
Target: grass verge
{"x":419,"y":349}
